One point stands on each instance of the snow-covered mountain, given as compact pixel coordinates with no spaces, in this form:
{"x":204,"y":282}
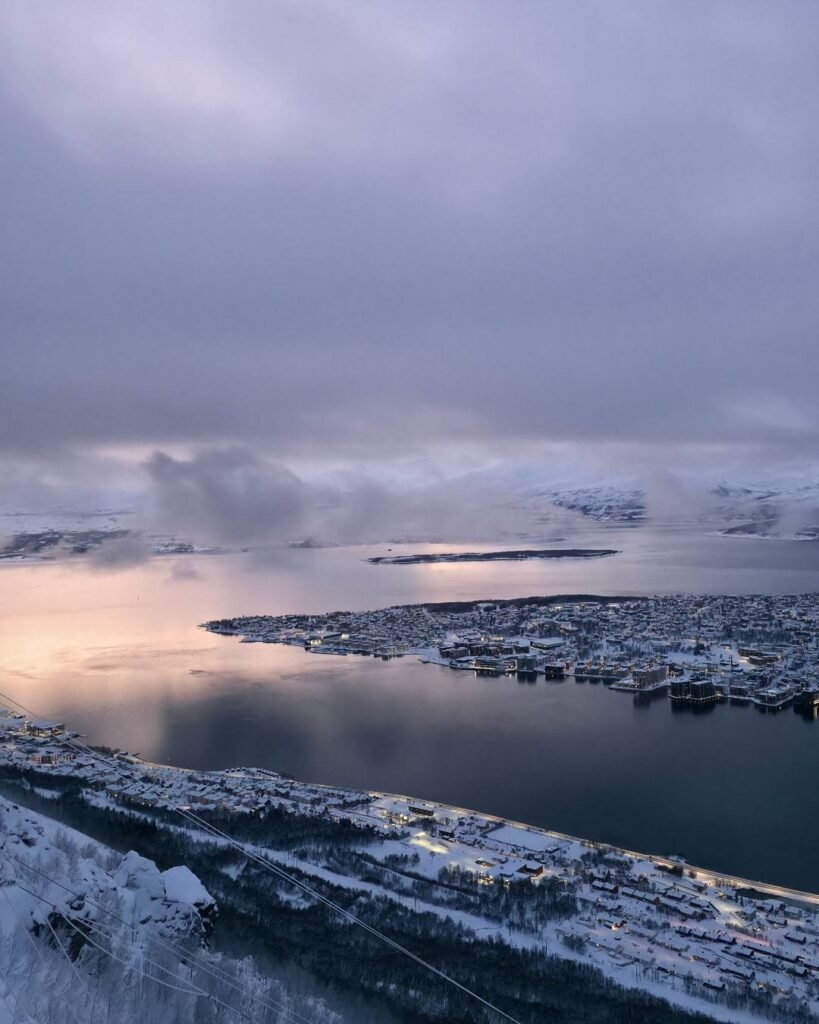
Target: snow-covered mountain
{"x":606,"y":503}
{"x":783,"y":509}
{"x":785,"y":506}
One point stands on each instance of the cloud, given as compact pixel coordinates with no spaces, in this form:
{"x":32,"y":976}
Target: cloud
{"x":674,"y":497}
{"x":182,"y":573}
{"x":375,"y":232}
{"x":234,"y":496}
{"x":119,"y":553}
{"x":171,"y":82}
{"x":226,"y":496}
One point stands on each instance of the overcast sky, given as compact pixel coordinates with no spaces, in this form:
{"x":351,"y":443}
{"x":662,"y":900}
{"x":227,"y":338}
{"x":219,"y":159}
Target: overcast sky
{"x":363,"y":233}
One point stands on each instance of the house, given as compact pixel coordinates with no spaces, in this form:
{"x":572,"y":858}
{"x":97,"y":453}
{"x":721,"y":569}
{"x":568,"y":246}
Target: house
{"x":421,"y":812}
{"x":531,"y":869}
{"x":44,"y":727}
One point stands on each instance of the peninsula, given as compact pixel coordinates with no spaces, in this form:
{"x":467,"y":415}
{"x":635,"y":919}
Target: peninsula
{"x":700,"y":648}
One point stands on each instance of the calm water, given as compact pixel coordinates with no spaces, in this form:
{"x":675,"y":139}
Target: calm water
{"x":118,"y":655}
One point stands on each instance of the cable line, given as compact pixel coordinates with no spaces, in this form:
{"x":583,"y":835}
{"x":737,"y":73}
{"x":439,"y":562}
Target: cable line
{"x":186,"y":812}
{"x":189,"y":815}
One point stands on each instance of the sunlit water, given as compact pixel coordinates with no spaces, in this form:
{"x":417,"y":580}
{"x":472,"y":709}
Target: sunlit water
{"x":119,"y":656}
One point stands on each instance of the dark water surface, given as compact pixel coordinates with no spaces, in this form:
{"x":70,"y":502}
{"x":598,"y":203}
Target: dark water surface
{"x":118,"y":655}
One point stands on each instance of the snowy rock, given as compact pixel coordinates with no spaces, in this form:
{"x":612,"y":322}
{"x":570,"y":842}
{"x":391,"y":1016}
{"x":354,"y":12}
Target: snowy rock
{"x":182,"y":886}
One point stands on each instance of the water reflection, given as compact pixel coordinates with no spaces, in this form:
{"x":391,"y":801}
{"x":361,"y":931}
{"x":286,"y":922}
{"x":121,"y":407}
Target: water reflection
{"x":647,"y":700}
{"x":119,"y":656}
{"x":702,"y":708}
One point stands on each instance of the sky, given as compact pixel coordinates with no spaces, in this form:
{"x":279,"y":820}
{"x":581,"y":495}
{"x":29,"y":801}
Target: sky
{"x":290,"y":244}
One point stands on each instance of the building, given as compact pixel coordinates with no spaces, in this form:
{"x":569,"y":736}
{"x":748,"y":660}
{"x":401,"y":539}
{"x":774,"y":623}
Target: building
{"x":693,"y":691}
{"x":647,"y":677}
{"x":44,"y":727}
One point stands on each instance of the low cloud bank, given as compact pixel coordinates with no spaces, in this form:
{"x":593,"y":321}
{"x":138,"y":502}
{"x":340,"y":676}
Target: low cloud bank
{"x":235,"y":496}
{"x":228,"y":496}
{"x":120,"y":552}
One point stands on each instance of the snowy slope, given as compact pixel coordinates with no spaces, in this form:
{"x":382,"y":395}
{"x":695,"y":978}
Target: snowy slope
{"x":88,"y":934}
{"x":788,"y":509}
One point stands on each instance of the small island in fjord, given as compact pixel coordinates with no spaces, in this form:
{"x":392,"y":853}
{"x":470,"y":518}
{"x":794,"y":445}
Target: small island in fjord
{"x":490,"y":556}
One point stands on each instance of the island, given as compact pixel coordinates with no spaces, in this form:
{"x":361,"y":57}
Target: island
{"x":490,"y":556}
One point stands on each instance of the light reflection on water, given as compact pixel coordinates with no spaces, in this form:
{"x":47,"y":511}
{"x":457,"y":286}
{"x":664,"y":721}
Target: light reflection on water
{"x":119,"y":656}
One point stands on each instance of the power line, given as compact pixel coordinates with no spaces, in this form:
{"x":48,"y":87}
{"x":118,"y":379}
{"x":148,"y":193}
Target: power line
{"x":143,"y":974}
{"x":189,"y":815}
{"x":180,"y":951}
{"x":92,"y":929}
{"x":65,"y":740}
{"x":201,"y":823}
{"x":12,"y":1013}
{"x":83,"y":986}
{"x":268,"y":1002}
{"x":177,"y":950}
{"x":36,"y":948}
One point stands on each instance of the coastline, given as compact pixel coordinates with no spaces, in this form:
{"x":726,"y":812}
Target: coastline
{"x":648,"y":922}
{"x":779,"y":891}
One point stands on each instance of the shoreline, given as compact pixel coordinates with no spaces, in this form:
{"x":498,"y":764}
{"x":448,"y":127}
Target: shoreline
{"x":686,"y":643}
{"x":704,"y":929}
{"x":667,"y":860}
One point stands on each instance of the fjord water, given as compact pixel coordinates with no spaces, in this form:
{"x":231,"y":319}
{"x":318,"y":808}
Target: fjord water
{"x":118,"y":655}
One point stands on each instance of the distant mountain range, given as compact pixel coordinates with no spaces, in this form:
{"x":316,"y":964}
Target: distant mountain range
{"x":604,"y":503}
{"x":510,"y":503}
{"x":769,"y":510}
{"x":763,"y":510}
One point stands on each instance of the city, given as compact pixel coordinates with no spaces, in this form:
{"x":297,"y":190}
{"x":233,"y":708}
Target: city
{"x":699,"y":649}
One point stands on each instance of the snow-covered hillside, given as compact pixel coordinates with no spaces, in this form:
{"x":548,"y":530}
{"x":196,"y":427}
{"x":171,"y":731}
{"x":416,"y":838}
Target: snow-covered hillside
{"x":786,"y":509}
{"x":606,"y":503}
{"x":90,"y":935}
